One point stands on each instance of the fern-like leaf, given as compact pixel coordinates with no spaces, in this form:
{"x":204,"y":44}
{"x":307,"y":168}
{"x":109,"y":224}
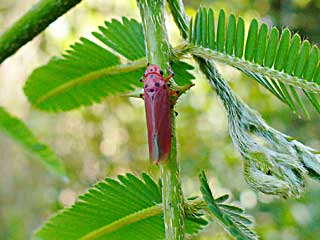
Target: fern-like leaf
{"x":88,"y":72}
{"x":232,"y":218}
{"x":127,"y":208}
{"x":18,"y":131}
{"x":279,"y":62}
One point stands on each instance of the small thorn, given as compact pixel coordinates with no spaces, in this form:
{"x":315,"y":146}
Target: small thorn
{"x":141,"y":80}
{"x":178,"y":92}
{"x":176,"y":113}
{"x":141,"y":95}
{"x":168,"y":84}
{"x":148,"y":64}
{"x":161,"y":72}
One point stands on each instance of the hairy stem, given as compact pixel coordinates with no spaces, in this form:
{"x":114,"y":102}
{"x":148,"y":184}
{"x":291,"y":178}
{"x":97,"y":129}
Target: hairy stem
{"x":158,"y":52}
{"x":31,"y":24}
{"x":172,"y":196}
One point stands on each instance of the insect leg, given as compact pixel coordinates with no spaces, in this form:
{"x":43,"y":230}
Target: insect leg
{"x":177,"y":92}
{"x":170,"y":76}
{"x":174,"y":93}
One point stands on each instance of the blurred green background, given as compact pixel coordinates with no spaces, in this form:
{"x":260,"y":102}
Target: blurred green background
{"x":110,"y":138}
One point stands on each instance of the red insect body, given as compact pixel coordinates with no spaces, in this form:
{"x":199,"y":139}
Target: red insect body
{"x":157,"y":105}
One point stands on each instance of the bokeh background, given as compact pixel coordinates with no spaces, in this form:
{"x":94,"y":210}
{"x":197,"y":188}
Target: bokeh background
{"x":108,"y":139}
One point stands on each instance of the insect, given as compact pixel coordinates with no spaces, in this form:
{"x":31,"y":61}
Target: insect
{"x":157,"y":104}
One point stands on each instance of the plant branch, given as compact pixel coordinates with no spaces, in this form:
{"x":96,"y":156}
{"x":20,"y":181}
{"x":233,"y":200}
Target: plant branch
{"x":158,"y":52}
{"x":31,"y":24}
{"x":242,"y":65}
{"x":275,"y":163}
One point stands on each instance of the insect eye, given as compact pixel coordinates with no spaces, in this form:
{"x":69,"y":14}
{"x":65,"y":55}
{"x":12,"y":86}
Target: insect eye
{"x":161,"y":72}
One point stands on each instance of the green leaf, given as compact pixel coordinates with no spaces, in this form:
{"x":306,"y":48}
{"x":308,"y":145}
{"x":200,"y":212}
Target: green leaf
{"x":261,"y":44}
{"x":89,"y":72}
{"x":127,"y":208}
{"x":190,"y":28}
{"x":222,"y":198}
{"x":251,"y":40}
{"x":302,"y":59}
{"x":276,"y":61}
{"x":317,"y":75}
{"x":221,"y":31}
{"x":232,"y":218}
{"x":293,"y":54}
{"x":17,"y":130}
{"x":231,"y":33}
{"x":271,"y":48}
{"x":312,"y":63}
{"x":126,"y":38}
{"x":231,"y":208}
{"x":283,"y":49}
{"x":211,"y":30}
{"x":204,"y":27}
{"x":239,"y":38}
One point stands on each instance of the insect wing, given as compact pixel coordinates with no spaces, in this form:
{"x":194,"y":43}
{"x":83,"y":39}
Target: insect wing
{"x":158,"y":124}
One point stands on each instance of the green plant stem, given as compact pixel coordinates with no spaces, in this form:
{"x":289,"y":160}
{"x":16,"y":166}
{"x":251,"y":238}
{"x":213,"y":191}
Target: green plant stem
{"x":31,"y":24}
{"x":158,"y":52}
{"x":172,"y":196}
